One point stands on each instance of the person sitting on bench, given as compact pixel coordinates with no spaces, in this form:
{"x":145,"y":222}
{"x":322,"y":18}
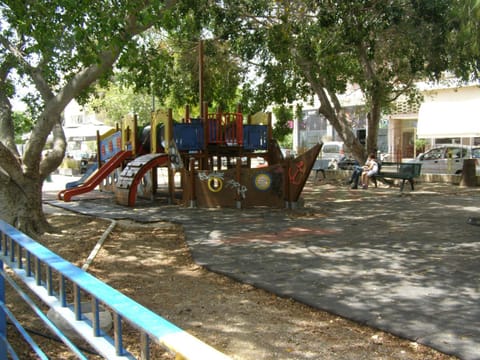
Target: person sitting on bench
{"x":356,"y":173}
{"x":370,"y":169}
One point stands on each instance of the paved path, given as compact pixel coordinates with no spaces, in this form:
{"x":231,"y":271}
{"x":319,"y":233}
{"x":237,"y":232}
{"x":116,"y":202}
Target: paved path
{"x":406,"y":264}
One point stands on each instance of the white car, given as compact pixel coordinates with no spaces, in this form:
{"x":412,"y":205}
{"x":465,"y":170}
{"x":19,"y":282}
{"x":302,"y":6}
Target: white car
{"x":332,"y":150}
{"x":447,"y":159}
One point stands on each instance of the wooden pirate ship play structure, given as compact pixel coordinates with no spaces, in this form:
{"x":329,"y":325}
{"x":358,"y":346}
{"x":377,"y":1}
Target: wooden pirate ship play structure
{"x":214,"y":156}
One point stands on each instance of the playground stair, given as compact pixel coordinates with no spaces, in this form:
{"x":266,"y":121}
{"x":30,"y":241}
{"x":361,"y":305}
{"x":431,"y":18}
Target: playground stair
{"x":132,"y":175}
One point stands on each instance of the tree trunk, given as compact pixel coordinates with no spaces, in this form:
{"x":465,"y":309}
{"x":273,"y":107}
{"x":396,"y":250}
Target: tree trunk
{"x":330,"y":108}
{"x":372,"y":127}
{"x":22,"y":206}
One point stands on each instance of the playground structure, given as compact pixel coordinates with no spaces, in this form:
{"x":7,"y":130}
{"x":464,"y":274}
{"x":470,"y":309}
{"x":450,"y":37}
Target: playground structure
{"x":212,"y":156}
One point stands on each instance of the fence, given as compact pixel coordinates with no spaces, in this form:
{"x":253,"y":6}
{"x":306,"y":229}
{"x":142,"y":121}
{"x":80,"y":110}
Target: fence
{"x":56,"y":282}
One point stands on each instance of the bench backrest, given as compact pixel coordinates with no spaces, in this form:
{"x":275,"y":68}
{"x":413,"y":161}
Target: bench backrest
{"x":404,"y":169}
{"x":321,"y":164}
{"x":410,"y":169}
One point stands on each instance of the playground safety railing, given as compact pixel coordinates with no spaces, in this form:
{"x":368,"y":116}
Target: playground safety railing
{"x":255,"y":137}
{"x":189,"y":136}
{"x":56,"y":281}
{"x":233,"y":128}
{"x":225,"y":128}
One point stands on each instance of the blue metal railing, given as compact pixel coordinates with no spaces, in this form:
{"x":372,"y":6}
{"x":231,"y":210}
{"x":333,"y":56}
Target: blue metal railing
{"x":49,"y":276}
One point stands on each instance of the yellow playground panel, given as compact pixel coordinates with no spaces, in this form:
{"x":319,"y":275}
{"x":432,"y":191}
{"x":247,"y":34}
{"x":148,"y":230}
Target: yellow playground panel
{"x":129,"y":132}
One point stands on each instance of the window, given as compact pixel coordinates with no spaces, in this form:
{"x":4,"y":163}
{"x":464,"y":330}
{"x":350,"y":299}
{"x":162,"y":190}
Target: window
{"x":434,"y":154}
{"x":476,"y":153}
{"x":447,"y":141}
{"x":456,"y":153}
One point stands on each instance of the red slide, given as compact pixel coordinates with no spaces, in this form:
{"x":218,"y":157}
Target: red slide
{"x":93,"y":181}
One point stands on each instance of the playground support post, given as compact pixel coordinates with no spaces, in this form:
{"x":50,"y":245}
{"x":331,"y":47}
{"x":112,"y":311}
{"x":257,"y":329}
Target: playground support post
{"x":219,"y":125}
{"x":99,"y":149}
{"x":269,"y":125}
{"x":168,"y":131}
{"x":201,"y":69}
{"x":238,"y":176}
{"x":288,"y":164}
{"x":239,"y":125}
{"x":187,"y":114}
{"x":171,"y":185}
{"x":206,"y":130}
{"x":193,"y":196}
{"x":171,"y":171}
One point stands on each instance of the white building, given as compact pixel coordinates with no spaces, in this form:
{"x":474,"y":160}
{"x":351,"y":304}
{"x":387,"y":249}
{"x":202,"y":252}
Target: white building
{"x":80,"y":129}
{"x":450,"y":115}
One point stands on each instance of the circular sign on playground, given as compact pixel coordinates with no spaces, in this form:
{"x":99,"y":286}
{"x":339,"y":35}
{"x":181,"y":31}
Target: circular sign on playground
{"x":262,"y":181}
{"x":215,"y":184}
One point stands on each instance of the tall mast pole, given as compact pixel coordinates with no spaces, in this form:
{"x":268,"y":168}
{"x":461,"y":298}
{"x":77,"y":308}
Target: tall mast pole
{"x":200,"y":76}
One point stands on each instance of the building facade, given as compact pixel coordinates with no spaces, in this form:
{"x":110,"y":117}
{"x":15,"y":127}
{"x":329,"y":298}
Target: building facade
{"x":447,"y":115}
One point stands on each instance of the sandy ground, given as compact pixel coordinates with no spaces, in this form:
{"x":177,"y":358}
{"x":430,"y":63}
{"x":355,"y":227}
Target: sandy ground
{"x":152,"y":264}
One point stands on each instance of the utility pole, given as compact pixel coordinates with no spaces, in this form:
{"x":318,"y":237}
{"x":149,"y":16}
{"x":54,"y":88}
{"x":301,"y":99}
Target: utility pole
{"x":200,"y":78}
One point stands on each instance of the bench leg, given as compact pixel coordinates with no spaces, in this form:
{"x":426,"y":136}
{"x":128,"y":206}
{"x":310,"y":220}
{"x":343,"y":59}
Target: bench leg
{"x":402,"y":185}
{"x":411,"y":183}
{"x":316,"y":174}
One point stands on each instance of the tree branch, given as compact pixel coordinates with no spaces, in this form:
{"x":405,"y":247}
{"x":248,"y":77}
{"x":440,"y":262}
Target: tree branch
{"x":40,"y":84}
{"x":7,"y":133}
{"x":9,"y":162}
{"x":56,"y":154}
{"x":54,"y":104}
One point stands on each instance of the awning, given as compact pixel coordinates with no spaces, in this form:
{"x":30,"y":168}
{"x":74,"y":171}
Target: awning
{"x":445,"y":119}
{"x":85,"y":132}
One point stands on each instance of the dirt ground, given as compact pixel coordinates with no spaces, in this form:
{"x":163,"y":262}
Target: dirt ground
{"x":151,"y":264}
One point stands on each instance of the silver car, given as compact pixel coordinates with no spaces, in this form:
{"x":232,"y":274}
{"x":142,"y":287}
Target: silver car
{"x":447,"y":159}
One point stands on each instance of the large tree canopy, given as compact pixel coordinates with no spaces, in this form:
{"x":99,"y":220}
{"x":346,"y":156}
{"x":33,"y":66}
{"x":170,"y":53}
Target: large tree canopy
{"x":168,"y":70}
{"x":168,"y":65}
{"x":319,"y":47}
{"x":57,"y":49}
{"x":465,"y":41}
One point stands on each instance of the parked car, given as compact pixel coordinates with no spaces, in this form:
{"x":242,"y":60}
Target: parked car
{"x":447,"y":159}
{"x":333,"y":150}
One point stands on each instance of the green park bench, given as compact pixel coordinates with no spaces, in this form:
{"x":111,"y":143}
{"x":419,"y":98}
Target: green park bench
{"x":397,"y":170}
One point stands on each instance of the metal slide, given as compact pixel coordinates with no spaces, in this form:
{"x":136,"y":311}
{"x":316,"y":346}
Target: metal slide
{"x":91,"y":170}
